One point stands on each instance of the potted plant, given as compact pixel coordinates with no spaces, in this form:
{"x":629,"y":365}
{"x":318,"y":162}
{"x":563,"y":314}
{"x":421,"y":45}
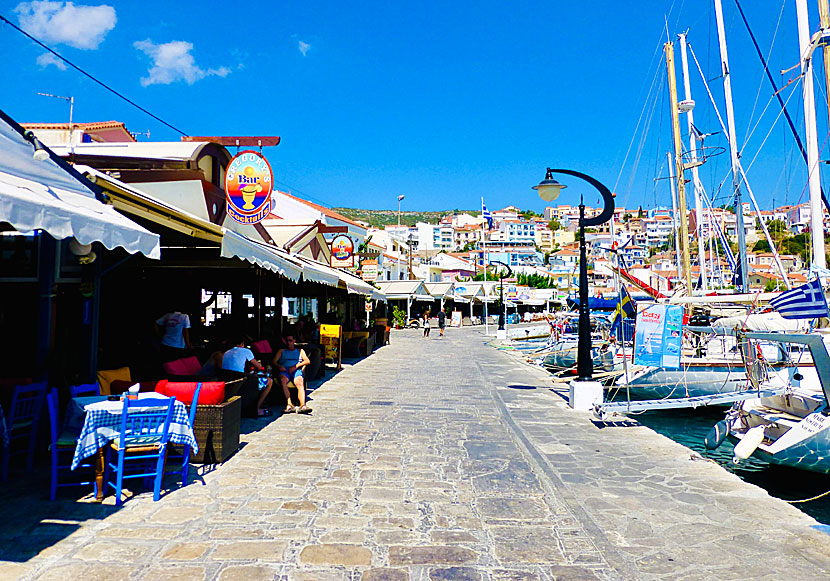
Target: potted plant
{"x":399,"y":317}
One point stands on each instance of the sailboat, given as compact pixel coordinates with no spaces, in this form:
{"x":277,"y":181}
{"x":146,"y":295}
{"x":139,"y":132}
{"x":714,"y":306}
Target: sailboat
{"x":713,"y":367}
{"x":791,"y":427}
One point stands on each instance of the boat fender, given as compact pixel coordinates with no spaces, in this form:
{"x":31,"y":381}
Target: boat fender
{"x":716,"y":435}
{"x":748,"y":444}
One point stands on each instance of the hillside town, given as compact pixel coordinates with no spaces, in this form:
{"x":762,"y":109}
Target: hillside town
{"x":456,"y":248}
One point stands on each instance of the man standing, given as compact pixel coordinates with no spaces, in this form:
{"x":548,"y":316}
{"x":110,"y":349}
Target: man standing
{"x":174,"y":331}
{"x":442,"y":322}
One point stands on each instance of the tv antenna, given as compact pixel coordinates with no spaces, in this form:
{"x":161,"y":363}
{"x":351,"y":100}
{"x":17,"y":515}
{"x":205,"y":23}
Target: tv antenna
{"x":71,"y":101}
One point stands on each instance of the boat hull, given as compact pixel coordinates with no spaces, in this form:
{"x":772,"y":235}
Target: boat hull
{"x":660,"y":383}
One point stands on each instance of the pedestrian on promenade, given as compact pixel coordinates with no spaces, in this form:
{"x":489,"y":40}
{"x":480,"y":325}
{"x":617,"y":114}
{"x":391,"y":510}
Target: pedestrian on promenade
{"x":174,"y":330}
{"x":235,"y":362}
{"x":290,"y":361}
{"x":426,"y":323}
{"x":442,"y":322}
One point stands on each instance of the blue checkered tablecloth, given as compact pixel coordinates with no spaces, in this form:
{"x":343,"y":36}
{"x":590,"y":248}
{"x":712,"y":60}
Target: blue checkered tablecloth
{"x":102,"y":422}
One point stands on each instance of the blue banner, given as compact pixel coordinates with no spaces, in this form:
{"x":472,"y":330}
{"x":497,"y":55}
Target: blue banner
{"x":657,"y":337}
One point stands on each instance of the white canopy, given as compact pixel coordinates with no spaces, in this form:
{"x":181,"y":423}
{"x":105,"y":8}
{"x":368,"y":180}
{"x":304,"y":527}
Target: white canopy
{"x":268,"y":257}
{"x":316,"y":272}
{"x":761,"y":322}
{"x":42,"y":195}
{"x":357,"y":285}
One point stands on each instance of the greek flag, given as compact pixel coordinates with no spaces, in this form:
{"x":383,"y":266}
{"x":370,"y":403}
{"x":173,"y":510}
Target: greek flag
{"x":804,"y":302}
{"x":486,"y":215}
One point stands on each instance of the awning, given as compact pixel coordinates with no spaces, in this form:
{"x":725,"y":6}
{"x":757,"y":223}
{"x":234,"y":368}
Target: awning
{"x":316,"y":272}
{"x":356,"y":285}
{"x":49,"y":195}
{"x":31,"y":206}
{"x":268,"y":257}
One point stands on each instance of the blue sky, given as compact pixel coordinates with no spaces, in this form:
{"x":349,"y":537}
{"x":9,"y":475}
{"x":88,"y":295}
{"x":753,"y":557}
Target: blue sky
{"x":441,"y":102}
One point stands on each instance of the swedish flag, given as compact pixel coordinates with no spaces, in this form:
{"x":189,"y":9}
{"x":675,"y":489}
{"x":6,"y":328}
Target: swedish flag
{"x":625,"y":308}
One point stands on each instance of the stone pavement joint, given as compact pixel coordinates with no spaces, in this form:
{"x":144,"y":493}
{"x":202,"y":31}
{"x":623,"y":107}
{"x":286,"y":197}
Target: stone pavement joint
{"x":433,"y":459}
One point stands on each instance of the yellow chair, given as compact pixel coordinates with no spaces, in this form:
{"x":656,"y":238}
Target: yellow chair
{"x":107,"y":376}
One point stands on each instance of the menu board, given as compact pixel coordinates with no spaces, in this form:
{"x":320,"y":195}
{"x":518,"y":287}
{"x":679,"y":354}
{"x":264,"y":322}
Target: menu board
{"x":331,"y":339}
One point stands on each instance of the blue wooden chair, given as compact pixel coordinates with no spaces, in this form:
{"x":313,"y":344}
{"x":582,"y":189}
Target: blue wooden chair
{"x":23,"y":420}
{"x":63,"y":444}
{"x":84,"y":389}
{"x":143,"y":436}
{"x":173,"y":454}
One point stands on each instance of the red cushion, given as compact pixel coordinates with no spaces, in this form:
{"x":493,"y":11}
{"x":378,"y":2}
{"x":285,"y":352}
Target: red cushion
{"x":212,"y":392}
{"x":184,"y":366}
{"x":262,"y":347}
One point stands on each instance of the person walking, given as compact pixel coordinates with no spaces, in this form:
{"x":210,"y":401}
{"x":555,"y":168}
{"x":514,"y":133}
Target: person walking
{"x":426,"y":324}
{"x":442,"y":322}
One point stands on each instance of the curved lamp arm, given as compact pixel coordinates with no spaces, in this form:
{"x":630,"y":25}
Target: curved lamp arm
{"x":507,"y":266}
{"x":607,"y":197}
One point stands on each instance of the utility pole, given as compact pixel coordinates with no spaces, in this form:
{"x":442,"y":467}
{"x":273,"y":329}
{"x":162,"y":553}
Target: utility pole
{"x":678,"y":164}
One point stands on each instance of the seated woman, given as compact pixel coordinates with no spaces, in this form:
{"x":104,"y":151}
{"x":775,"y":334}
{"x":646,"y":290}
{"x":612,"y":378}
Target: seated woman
{"x":235,"y":362}
{"x":289,"y":362}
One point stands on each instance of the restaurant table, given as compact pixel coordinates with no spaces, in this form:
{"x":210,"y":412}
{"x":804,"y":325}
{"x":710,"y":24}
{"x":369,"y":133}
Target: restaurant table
{"x":97,"y":420}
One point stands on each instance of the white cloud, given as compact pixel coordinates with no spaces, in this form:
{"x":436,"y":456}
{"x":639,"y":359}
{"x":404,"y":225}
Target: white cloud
{"x":173,"y":62}
{"x":82,"y":27}
{"x":304,"y":47}
{"x":48,"y":58}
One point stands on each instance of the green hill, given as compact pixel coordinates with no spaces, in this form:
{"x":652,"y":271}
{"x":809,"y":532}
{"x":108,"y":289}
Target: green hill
{"x":380,"y":218}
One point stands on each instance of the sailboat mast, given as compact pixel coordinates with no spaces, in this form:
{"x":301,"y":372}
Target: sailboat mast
{"x":678,"y":164}
{"x":813,"y":177}
{"x":698,"y":187}
{"x":733,"y":146}
{"x":677,"y":252}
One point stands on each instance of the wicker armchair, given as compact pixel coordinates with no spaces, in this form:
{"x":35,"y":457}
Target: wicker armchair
{"x":217,"y":431}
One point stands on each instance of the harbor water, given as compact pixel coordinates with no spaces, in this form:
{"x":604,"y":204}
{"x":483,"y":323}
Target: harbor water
{"x":689,"y":427}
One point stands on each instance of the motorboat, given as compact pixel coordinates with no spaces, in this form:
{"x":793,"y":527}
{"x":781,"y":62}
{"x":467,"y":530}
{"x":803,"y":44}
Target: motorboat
{"x":791,"y":425}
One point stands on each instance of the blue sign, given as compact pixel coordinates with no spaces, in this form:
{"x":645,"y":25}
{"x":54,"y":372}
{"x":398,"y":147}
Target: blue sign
{"x":657,"y":336}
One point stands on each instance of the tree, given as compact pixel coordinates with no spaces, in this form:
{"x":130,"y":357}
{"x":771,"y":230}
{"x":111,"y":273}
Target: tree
{"x":771,"y":286}
{"x":627,"y":217}
{"x":761,"y":246}
{"x":777,"y":229}
{"x":640,"y":212}
{"x":554,"y":225}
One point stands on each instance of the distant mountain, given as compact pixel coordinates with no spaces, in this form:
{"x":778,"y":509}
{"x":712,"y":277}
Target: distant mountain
{"x":380,"y":218}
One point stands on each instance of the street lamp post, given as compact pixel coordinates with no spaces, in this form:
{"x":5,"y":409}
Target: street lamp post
{"x":398,"y":233}
{"x":501,"y":331}
{"x":549,"y":190}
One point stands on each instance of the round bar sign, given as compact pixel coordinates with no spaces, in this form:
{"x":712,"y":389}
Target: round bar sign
{"x":248,"y":187}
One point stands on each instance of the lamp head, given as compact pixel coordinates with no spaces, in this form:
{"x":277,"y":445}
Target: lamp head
{"x":549,"y":188}
{"x":401,"y":197}
{"x":40,"y":153}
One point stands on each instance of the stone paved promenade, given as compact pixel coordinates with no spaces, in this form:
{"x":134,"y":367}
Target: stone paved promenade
{"x":431,"y":460}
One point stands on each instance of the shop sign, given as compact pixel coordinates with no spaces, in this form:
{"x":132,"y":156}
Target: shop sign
{"x":369,"y":271}
{"x":342,"y":251}
{"x":248,"y":187}
{"x":331,"y":338}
